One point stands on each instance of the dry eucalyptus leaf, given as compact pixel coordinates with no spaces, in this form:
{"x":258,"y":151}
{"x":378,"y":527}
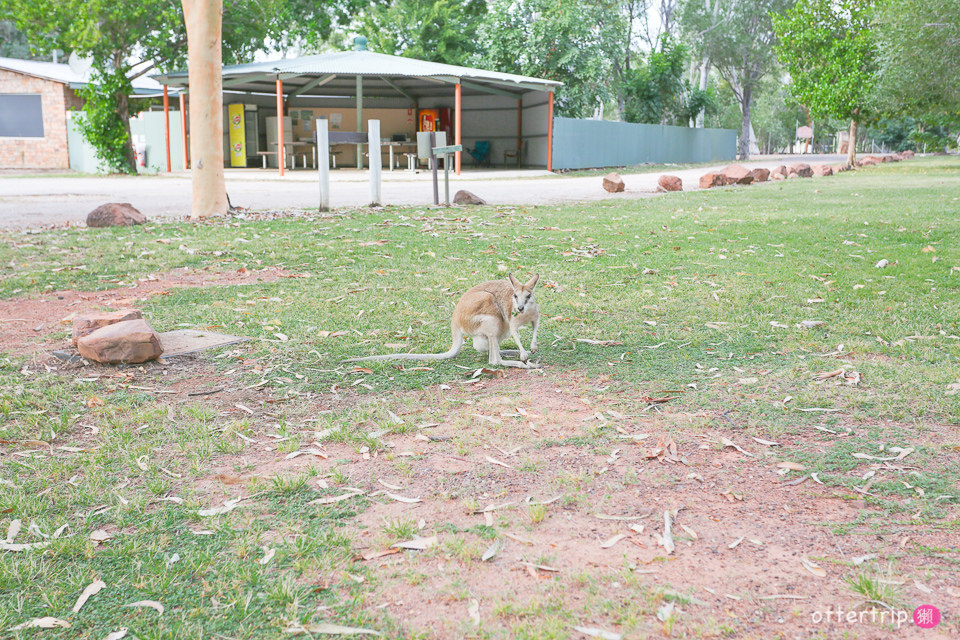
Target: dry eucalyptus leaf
{"x":153,"y":604}
{"x":690,"y":532}
{"x":403,"y":499}
{"x":417,"y":544}
{"x":119,"y":634}
{"x":491,"y":551}
{"x":228,"y":506}
{"x":815,"y":569}
{"x":41,"y":623}
{"x":334,"y":499}
{"x":92,"y":589}
{"x":330,"y":629}
{"x":13,"y":529}
{"x":606,"y":544}
{"x":268,"y":556}
{"x":473,"y":610}
{"x":594,"y":632}
{"x":792,"y":466}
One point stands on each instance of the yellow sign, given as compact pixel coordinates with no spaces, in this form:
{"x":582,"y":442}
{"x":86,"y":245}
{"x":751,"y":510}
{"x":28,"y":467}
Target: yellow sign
{"x":238,"y":152}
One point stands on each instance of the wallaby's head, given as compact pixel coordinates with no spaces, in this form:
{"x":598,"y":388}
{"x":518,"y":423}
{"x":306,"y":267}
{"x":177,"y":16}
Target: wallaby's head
{"x":523,"y":293}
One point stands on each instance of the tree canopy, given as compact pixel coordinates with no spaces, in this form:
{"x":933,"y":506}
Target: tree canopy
{"x":434,"y":30}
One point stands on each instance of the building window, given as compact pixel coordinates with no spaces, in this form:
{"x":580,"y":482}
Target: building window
{"x":21,"y":115}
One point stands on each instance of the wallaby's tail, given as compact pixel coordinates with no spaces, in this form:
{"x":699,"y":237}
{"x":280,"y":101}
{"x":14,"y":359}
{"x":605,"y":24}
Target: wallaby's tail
{"x":452,"y":353}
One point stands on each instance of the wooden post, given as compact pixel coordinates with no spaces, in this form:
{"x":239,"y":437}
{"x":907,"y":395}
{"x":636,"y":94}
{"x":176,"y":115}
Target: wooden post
{"x":550,"y":131}
{"x":359,"y":120}
{"x":457,"y":118}
{"x":183,"y":129}
{"x":376,"y":164}
{"x":433,"y":164}
{"x":281,"y":147}
{"x":166,"y":124}
{"x":323,"y":161}
{"x":203,"y":19}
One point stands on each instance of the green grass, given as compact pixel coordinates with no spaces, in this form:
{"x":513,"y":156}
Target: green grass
{"x":695,"y":286}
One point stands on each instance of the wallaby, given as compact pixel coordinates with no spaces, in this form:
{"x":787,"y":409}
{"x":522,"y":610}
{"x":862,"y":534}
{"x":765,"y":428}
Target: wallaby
{"x":485,"y":313}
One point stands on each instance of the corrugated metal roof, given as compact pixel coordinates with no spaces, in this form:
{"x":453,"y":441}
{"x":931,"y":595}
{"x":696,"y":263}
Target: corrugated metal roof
{"x":64,"y":74}
{"x":368,"y":63}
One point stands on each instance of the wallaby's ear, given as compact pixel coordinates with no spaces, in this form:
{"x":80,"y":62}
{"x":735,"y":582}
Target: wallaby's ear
{"x":533,"y":282}
{"x":513,"y":281}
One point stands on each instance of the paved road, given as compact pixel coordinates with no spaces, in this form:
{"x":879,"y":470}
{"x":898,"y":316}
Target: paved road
{"x":38,"y":201}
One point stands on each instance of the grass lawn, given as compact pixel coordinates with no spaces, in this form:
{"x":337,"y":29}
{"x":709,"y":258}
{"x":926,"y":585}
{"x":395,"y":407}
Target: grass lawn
{"x":701,"y":396}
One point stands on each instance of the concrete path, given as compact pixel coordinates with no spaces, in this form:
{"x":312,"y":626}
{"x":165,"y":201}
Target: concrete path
{"x":36,"y":201}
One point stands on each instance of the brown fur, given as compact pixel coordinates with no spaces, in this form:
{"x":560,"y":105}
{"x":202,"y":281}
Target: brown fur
{"x":485,"y":313}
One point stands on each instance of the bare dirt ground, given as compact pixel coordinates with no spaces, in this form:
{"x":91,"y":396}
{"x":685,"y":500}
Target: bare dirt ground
{"x":757,"y":555}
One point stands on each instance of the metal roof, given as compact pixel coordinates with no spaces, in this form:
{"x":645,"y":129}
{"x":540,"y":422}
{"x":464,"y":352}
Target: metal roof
{"x":386,"y":76}
{"x":64,"y":74}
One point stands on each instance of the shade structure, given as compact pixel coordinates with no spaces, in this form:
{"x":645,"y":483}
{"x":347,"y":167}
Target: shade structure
{"x":363,"y":79}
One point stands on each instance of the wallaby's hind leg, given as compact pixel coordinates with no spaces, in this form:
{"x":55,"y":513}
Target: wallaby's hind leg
{"x":496,"y":360}
{"x":533,"y":340}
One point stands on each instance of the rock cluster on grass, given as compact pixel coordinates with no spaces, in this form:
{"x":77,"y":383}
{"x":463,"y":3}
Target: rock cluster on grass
{"x":116,"y":337}
{"x":613,"y":183}
{"x":737,"y":174}
{"x":115,"y":214}
{"x":669,"y":183}
{"x":467,"y":197}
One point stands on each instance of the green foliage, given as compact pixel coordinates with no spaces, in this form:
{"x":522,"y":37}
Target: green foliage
{"x":657,"y":93}
{"x":13,"y":44}
{"x":919,"y":57}
{"x":564,"y":41}
{"x":102,"y":124}
{"x":829,"y":49}
{"x":435,"y":30}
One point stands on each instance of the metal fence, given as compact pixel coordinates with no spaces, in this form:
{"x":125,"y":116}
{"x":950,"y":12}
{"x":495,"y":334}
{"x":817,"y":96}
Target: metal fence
{"x":585,"y":144}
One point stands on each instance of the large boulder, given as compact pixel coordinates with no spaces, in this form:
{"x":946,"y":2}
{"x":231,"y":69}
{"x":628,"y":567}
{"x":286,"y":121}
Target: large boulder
{"x":89,"y":321}
{"x":760,"y":174}
{"x":736,"y":174}
{"x":466,"y":197}
{"x":710,"y":180}
{"x":115,"y":214}
{"x":669,"y":183}
{"x":613,"y":183}
{"x":801,"y":170}
{"x":127,"y":342}
{"x":780,"y":173}
{"x":822,"y":170}
{"x":869,"y":161}
{"x":907,"y":154}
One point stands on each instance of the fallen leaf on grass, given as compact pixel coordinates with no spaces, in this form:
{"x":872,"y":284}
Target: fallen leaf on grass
{"x":600,"y":343}
{"x":268,"y":556}
{"x":735,"y":543}
{"x":593,"y":632}
{"x":768,"y":443}
{"x":373,"y":555}
{"x":606,"y":544}
{"x":12,"y":530}
{"x":41,"y":623}
{"x":91,"y":590}
{"x":340,"y":498}
{"x":665,"y":612}
{"x":690,"y":532}
{"x":119,"y":634}
{"x":473,"y":610}
{"x":417,"y":544}
{"x":826,"y":375}
{"x":153,"y":604}
{"x":815,"y":569}
{"x":228,"y":506}
{"x":5,"y":546}
{"x":330,"y":629}
{"x":403,"y":499}
{"x":811,"y":324}
{"x":792,"y":466}
{"x":491,"y":551}
{"x":100,"y":536}
{"x":727,"y":442}
{"x":859,"y":560}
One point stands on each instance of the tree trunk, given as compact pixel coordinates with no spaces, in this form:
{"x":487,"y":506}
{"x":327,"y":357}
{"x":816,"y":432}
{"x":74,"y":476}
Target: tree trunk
{"x":852,"y":145}
{"x":704,"y":78}
{"x":747,"y":97}
{"x":204,"y":20}
{"x":123,"y":112}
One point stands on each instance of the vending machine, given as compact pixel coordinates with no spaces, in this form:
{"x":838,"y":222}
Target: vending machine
{"x":439,"y":119}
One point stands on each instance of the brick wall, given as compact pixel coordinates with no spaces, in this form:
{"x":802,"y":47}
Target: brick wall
{"x":50,"y":151}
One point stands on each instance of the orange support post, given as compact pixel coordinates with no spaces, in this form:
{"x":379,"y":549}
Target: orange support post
{"x":550,"y":132}
{"x":281,"y":148}
{"x":183,"y":127}
{"x":519,"y":130}
{"x":166,"y":124}
{"x":456,"y":122}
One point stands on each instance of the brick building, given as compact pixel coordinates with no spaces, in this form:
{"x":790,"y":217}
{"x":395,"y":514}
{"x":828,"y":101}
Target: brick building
{"x":34,"y":100}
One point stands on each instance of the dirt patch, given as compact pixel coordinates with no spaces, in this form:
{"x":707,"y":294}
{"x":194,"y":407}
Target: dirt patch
{"x":30,"y":325}
{"x":742,"y":533}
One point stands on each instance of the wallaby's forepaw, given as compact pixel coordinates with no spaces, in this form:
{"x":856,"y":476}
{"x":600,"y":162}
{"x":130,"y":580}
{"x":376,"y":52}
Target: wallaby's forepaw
{"x":524,"y":356}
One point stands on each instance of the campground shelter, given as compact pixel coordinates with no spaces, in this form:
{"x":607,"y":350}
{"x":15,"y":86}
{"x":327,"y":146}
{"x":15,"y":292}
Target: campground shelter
{"x":511,"y":114}
{"x":36,"y":101}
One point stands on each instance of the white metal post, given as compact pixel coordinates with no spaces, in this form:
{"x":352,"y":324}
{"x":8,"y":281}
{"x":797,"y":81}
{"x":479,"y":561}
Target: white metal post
{"x":373,"y":146}
{"x":323,"y":162}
